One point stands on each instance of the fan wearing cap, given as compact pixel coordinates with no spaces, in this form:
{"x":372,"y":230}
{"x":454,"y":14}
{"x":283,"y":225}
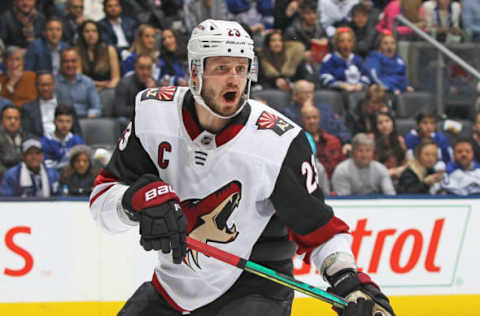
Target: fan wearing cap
{"x":30,"y":178}
{"x":209,"y":162}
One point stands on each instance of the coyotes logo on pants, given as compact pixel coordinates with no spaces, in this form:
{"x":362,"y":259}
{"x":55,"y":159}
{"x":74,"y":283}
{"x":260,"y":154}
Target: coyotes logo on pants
{"x":207,"y":217}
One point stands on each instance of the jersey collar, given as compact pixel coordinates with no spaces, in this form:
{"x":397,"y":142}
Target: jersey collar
{"x":192,"y":125}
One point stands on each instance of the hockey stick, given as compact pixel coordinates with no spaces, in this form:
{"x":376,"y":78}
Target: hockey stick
{"x":265,"y":272}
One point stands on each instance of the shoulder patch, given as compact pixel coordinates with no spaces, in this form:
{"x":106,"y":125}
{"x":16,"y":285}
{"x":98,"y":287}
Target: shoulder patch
{"x":273,"y":122}
{"x":161,"y":94}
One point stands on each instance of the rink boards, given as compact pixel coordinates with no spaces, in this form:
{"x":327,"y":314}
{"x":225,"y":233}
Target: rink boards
{"x":423,"y":252}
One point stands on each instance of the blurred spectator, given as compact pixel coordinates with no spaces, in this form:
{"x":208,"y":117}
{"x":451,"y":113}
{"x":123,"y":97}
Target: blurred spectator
{"x":420,"y":176}
{"x":98,"y":60}
{"x":46,"y":7}
{"x":30,"y":178}
{"x":38,"y":115}
{"x":72,"y":20}
{"x":390,"y":148}
{"x":281,"y":62}
{"x":302,"y":95}
{"x":11,"y":138}
{"x":129,"y":86}
{"x":308,"y":30}
{"x":362,"y":118}
{"x":257,"y":14}
{"x":55,"y":146}
{"x":4,"y":102}
{"x":476,"y":136}
{"x":285,"y":12}
{"x":144,"y":44}
{"x":410,"y":9}
{"x":443,"y":20}
{"x":93,"y":9}
{"x":363,"y":27}
{"x":342,"y":69}
{"x":75,"y":89}
{"x":334,"y":13}
{"x":361,"y":174}
{"x":17,"y":84}
{"x":196,"y":11}
{"x":426,"y":128}
{"x":471,"y":19}
{"x":328,"y":148}
{"x":116,"y":28}
{"x":387,"y":68}
{"x":173,"y":59}
{"x":79,"y":174}
{"x":160,"y":14}
{"x":21,"y":24}
{"x":44,"y":52}
{"x":463,"y":174}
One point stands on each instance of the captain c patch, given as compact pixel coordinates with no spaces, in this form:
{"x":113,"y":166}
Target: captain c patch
{"x":273,"y":122}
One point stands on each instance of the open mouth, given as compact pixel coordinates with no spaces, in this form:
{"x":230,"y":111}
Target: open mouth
{"x":230,"y":96}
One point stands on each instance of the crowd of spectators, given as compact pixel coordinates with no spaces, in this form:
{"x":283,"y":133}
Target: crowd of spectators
{"x":62,"y":61}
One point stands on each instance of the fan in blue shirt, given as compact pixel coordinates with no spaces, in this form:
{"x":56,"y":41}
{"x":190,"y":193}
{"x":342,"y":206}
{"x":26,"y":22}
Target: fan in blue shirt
{"x":56,"y":146}
{"x":387,"y":68}
{"x":342,"y":69}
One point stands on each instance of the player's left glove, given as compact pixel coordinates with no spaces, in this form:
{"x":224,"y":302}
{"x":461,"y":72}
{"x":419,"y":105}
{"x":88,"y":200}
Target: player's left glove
{"x":353,"y":285}
{"x":362,"y":307}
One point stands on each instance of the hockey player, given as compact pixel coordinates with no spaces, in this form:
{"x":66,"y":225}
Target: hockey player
{"x":208,"y":162}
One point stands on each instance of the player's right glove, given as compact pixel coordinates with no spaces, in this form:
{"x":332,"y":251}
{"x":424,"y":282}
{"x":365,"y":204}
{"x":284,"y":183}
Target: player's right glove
{"x":362,"y":307}
{"x":155,"y":206}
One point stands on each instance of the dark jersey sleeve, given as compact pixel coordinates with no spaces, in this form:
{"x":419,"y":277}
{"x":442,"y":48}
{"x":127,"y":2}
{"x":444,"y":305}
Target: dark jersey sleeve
{"x":299,"y":202}
{"x":130,"y":160}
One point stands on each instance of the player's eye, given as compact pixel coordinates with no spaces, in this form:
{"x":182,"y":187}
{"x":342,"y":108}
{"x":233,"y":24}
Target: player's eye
{"x":241,"y":69}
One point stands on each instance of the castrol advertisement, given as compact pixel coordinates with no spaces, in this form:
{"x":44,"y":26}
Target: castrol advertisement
{"x":409,"y":246}
{"x":54,"y":251}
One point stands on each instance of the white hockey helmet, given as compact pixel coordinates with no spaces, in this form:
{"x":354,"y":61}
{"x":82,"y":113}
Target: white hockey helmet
{"x":213,"y":38}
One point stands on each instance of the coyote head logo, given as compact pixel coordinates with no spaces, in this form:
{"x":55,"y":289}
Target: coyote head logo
{"x":207,"y":217}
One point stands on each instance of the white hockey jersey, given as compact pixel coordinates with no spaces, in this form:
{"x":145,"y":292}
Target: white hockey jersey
{"x":230,"y":185}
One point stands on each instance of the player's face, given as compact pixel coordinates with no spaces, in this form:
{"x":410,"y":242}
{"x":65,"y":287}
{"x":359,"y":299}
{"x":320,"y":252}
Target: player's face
{"x":463,"y":154}
{"x":53,"y":32}
{"x":345,"y":44}
{"x":11,"y":121}
{"x":90,"y":34}
{"x":388,"y":46}
{"x":224,"y":82}
{"x":426,"y":126}
{"x":33,"y":158}
{"x":311,"y":119}
{"x":384,"y":124}
{"x":362,"y":155}
{"x":276,"y":43}
{"x":428,"y":156}
{"x":63,"y":124}
{"x":81,"y":163}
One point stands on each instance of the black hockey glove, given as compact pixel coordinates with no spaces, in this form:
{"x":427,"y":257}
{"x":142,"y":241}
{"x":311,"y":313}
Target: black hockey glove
{"x":154,"y":205}
{"x":353,"y":285}
{"x":361,"y":308}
